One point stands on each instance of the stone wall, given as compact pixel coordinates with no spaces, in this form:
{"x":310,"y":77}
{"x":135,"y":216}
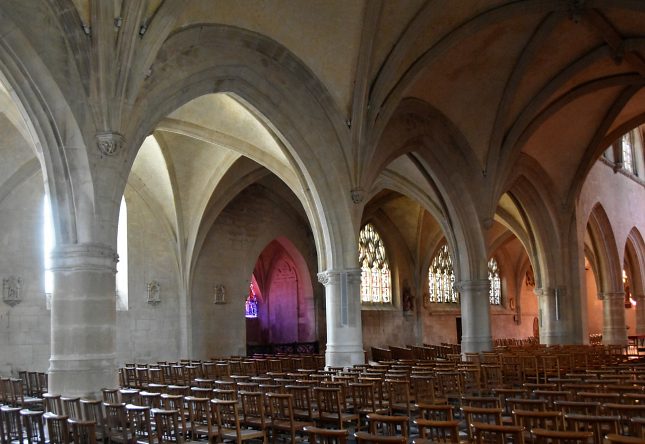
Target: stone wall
{"x":149,"y":332}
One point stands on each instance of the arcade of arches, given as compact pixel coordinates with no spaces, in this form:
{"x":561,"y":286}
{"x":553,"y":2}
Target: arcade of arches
{"x":253,"y":141}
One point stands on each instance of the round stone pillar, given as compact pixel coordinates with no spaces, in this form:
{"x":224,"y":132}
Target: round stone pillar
{"x":640,"y":313}
{"x":83,"y":320}
{"x":552,"y":327}
{"x":614,"y":331}
{"x":475,"y":316}
{"x":343,"y":311}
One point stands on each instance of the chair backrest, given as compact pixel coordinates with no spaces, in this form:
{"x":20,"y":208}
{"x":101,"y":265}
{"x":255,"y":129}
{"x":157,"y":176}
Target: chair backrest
{"x":600,"y":425}
{"x":490,"y":415}
{"x":12,"y":423}
{"x":369,"y":438}
{"x":544,"y":436}
{"x":253,"y":407}
{"x":83,"y":432}
{"x":388,"y":425}
{"x":328,"y":400}
{"x":438,"y":430}
{"x":140,"y":424}
{"x":167,"y":426}
{"x":435,"y":412}
{"x":57,"y":428}
{"x":319,"y":435}
{"x":72,"y":407}
{"x":52,"y":403}
{"x":301,"y":399}
{"x":495,"y":433}
{"x":228,"y":419}
{"x":111,"y":396}
{"x":116,"y":421}
{"x":280,"y":406}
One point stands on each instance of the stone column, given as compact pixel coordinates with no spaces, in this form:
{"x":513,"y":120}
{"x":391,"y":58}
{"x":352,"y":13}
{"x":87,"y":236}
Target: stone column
{"x":552,"y":326}
{"x":640,"y":313}
{"x":83,"y":320}
{"x":475,"y":316}
{"x":343,"y":311}
{"x":614,"y":331}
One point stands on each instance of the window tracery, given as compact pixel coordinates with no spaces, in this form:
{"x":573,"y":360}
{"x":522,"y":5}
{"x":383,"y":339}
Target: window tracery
{"x":251,"y":305}
{"x":376,"y":282}
{"x":441,"y":278}
{"x":628,"y":151}
{"x":495,"y":292}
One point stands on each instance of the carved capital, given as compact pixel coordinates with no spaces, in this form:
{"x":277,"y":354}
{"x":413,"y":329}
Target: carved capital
{"x":325,"y":277}
{"x":109,"y":143}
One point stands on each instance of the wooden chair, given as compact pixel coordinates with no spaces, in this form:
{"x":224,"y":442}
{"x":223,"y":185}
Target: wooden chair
{"x":423,"y":390}
{"x":498,"y":434}
{"x":253,"y":414}
{"x":547,"y":436}
{"x":32,"y":422}
{"x":139,"y":423}
{"x":167,"y":426}
{"x":302,"y":409}
{"x":72,"y":407}
{"x":57,"y":428}
{"x":201,"y":418}
{"x":228,"y":423}
{"x":116,"y":423}
{"x":437,"y":431}
{"x":318,"y":435}
{"x":625,"y":412}
{"x":83,"y":432}
{"x":330,"y":410}
{"x":12,"y":423}
{"x":92,"y":410}
{"x":368,"y":438}
{"x":490,"y":415}
{"x":175,"y":402}
{"x":436,"y":412}
{"x":110,"y":396}
{"x":529,"y":420}
{"x":282,"y":418}
{"x":638,"y":426}
{"x":363,"y":400}
{"x":598,"y":425}
{"x":537,"y":405}
{"x":389,"y":425}
{"x":52,"y":403}
{"x":20,"y":400}
{"x":399,"y":400}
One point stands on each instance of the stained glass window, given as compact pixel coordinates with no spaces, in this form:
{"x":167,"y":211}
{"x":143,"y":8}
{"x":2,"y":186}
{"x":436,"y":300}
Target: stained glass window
{"x":251,"y":306}
{"x":495,"y":292}
{"x":628,"y":158}
{"x":441,"y":278}
{"x":376,"y":282}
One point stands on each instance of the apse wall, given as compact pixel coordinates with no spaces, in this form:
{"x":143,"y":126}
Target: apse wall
{"x":238,"y":236}
{"x":149,"y":332}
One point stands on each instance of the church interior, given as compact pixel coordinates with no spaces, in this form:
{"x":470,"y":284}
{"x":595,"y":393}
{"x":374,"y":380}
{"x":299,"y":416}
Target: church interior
{"x":199,"y":180}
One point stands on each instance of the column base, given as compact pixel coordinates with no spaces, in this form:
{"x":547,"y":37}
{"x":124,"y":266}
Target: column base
{"x":476,"y":344}
{"x":344,"y":355}
{"x":81,"y":376}
{"x":614,"y":336}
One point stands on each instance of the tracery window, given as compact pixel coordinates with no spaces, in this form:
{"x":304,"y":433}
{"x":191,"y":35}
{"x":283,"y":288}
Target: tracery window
{"x":495,"y":292}
{"x":628,"y":152}
{"x":441,"y":278}
{"x":376,"y":282}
